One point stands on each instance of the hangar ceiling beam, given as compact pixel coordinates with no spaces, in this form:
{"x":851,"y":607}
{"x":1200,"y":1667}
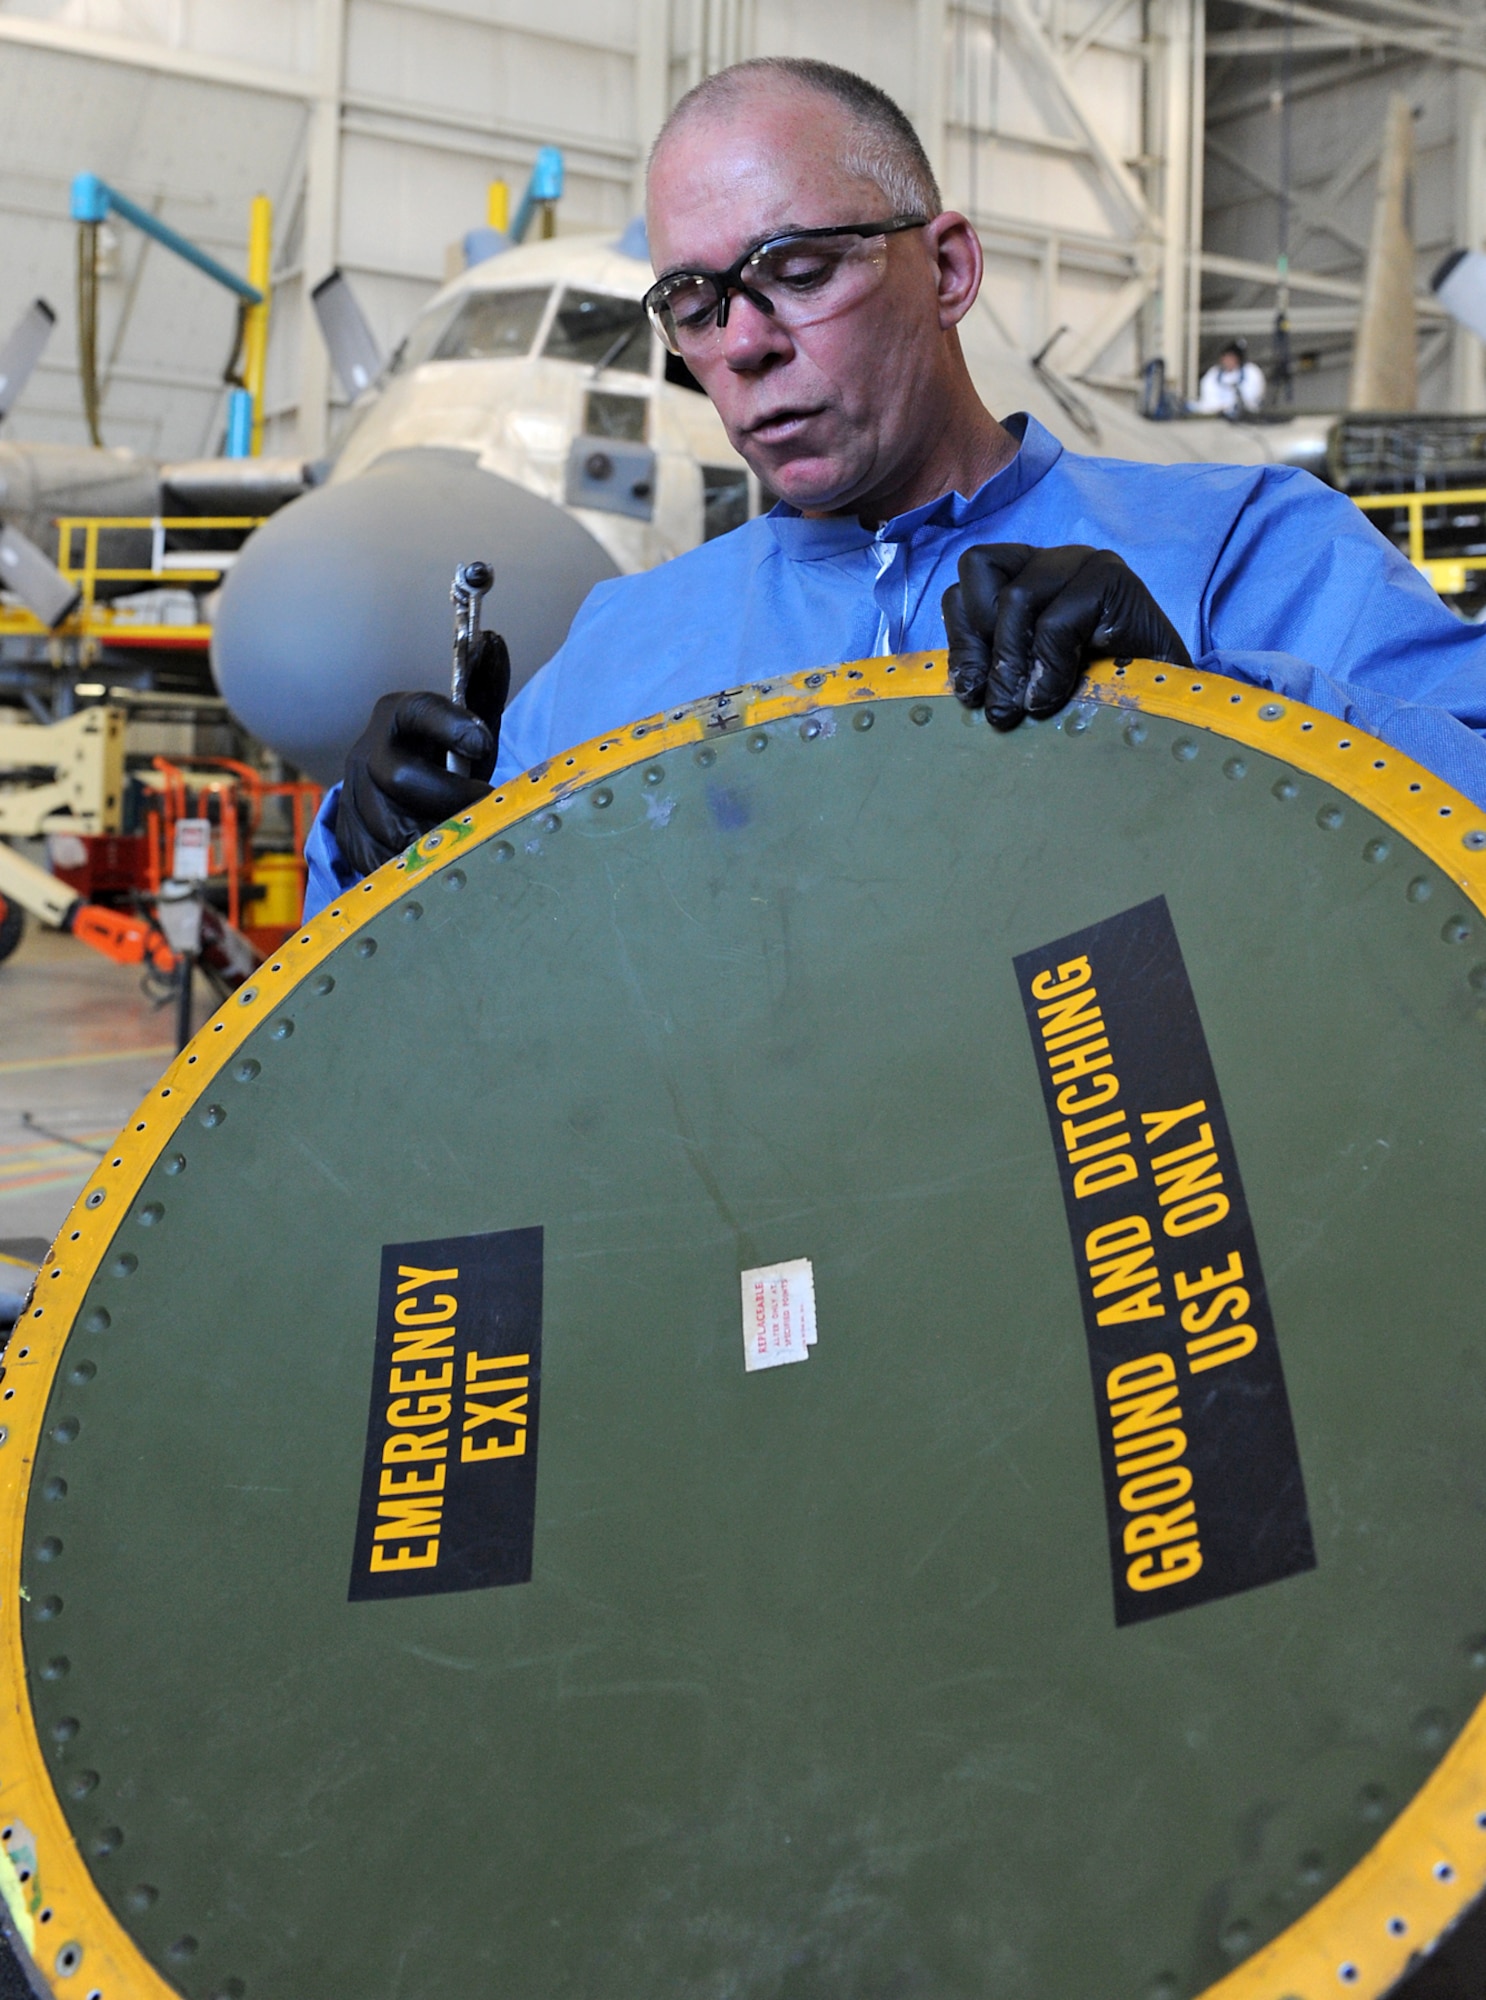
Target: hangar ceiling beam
{"x":931,"y":25}
{"x":1312,"y":213}
{"x":63,"y":39}
{"x":1380,"y":33}
{"x":1102,"y":22}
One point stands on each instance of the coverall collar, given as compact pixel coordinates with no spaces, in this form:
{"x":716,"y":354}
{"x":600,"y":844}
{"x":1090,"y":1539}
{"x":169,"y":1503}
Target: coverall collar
{"x":809,"y":541}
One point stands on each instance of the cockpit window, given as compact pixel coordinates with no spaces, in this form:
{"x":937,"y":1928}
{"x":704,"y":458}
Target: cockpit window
{"x":602,"y":331}
{"x":476,"y":326}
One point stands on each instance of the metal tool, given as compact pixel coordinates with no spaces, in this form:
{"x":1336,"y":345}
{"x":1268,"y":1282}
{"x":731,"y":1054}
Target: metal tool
{"x":471,"y":581}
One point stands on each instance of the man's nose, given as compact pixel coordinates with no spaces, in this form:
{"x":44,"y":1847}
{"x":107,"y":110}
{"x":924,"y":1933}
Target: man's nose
{"x":752,"y":335}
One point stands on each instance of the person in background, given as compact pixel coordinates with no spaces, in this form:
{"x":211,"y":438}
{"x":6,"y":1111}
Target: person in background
{"x":1233,"y":387}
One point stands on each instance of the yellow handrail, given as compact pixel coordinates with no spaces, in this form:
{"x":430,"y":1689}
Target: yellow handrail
{"x":89,"y":573}
{"x":1446,"y":573}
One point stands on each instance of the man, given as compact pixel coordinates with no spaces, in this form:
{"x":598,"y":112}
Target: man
{"x":1233,"y":387}
{"x":813,"y":284}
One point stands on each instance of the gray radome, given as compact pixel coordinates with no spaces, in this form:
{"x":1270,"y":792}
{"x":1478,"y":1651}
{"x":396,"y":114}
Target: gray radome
{"x":344,"y":596}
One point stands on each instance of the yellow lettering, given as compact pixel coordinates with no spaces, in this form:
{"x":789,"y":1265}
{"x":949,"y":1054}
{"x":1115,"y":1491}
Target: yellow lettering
{"x":430,"y":1410}
{"x":476,"y":1365}
{"x":1158,"y":1123}
{"x":1079,"y":1062}
{"x":1131,"y":1377}
{"x":1233,"y":1300}
{"x":403,"y":1557}
{"x":1103,"y":1174}
{"x":1144,"y":1304}
{"x":409,"y":1346}
{"x":1201,"y":1144}
{"x":430,"y":1444}
{"x":1153,"y":1531}
{"x":421,"y":1378}
{"x":412,"y":1278}
{"x":444,"y":1306}
{"x":1192,"y":1177}
{"x":1104,"y":1091}
{"x":471,"y":1453}
{"x":1216,"y":1350}
{"x":1209,"y":1280}
{"x":1159,"y":1448}
{"x":1146,"y":1411}
{"x":1112,"y":1237}
{"x":1097,"y":1146}
{"x":1091,"y":1024}
{"x":1155,"y":1489}
{"x":1190,"y":1216}
{"x":404,"y":1520}
{"x":1060,"y":1016}
{"x":413,"y":1481}
{"x":1175,"y":1566}
{"x":1076,"y":1130}
{"x":1118,"y":1274}
{"x":513,"y":1412}
{"x":1072,"y":972}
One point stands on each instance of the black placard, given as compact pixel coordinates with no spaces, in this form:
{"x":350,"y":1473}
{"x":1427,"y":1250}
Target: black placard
{"x":1202,"y":1477}
{"x":449,"y":1487}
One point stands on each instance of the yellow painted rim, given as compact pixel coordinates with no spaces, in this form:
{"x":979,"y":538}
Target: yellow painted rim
{"x":1357,"y":1940}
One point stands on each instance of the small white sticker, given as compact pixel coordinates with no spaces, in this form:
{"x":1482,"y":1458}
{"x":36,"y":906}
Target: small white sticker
{"x":778,"y":1314}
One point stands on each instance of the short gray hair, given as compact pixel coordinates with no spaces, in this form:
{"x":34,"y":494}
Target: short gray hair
{"x":884,"y":149}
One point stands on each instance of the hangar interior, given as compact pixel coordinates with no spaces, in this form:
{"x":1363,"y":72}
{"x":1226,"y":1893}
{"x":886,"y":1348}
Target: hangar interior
{"x":1153,"y":182}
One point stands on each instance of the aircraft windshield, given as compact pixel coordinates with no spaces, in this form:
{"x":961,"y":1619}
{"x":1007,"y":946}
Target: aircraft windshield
{"x":478,"y":326}
{"x":596,"y":328}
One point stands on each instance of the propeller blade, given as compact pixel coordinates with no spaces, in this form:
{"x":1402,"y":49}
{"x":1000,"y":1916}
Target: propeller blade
{"x":22,"y":351}
{"x":34,"y":578}
{"x":354,"y":353}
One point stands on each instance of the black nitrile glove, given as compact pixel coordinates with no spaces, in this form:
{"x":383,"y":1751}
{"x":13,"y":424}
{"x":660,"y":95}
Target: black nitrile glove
{"x":397,"y":785}
{"x":1024,"y":623}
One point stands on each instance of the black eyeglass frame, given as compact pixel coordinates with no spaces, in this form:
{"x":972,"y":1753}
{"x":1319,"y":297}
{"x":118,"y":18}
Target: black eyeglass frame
{"x":731,"y":280}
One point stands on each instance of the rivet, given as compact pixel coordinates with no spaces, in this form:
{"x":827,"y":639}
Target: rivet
{"x":706,"y":758}
{"x":1347,"y":1971}
{"x":1376,"y":850}
{"x":54,"y":1489}
{"x":1372,"y":1803}
{"x":1285,"y":789}
{"x":57,"y":1669}
{"x":1432,"y":1729}
{"x":920,"y":713}
{"x":810,"y":729}
{"x":366,"y":947}
{"x":107,"y":1840}
{"x":1076,"y":724}
{"x":1135,"y":734}
{"x":1237,"y":1938}
{"x":1420,"y":889}
{"x":503,"y":851}
{"x":1330,"y":817}
{"x":1311,"y":1869}
{"x":1270,"y":711}
{"x":143,"y":1896}
{"x":81,"y":1783}
{"x":1396,"y":1927}
{"x":83,"y":1372}
{"x":454,"y":879}
{"x":282,"y":1029}
{"x":434,"y":840}
{"x":549,"y":823}
{"x":95,"y":1199}
{"x":1235,"y":767}
{"x":184,"y":1947}
{"x":814,"y":680}
{"x":1164,"y":1986}
{"x":603,"y":797}
{"x":151,"y":1213}
{"x":323,"y":985}
{"x":410,"y":913}
{"x":248,"y":995}
{"x":48,"y":1549}
{"x":66,"y":1431}
{"x":1184,"y":749}
{"x":863,"y":719}
{"x":65,"y":1728}
{"x":1455,"y":931}
{"x":124,"y":1265}
{"x":69,"y":1958}
{"x":654,"y":774}
{"x":1443,"y":1872}
{"x":48,"y":1608}
{"x":97,"y":1321}
{"x":213,"y":1115}
{"x":1475,"y":838}
{"x":758,"y":741}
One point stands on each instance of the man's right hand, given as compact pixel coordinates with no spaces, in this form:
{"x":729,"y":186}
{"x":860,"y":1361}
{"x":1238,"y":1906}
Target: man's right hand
{"x":397,"y":784}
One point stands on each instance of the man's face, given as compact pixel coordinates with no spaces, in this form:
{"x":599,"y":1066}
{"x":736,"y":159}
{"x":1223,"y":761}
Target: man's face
{"x":829,"y":413}
{"x":1232,"y":360}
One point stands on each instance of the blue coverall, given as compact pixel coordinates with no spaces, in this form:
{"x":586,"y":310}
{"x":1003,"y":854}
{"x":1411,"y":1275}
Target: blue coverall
{"x":1267,"y":575}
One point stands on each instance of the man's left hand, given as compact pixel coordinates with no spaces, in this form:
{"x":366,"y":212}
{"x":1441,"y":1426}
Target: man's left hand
{"x":1024,"y":624}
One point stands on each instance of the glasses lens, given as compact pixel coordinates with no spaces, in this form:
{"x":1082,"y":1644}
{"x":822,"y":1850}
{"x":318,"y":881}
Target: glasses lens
{"x":810,"y":278}
{"x":683,"y":308}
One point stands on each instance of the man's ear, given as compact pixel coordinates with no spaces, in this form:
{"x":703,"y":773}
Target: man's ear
{"x":960,"y":262}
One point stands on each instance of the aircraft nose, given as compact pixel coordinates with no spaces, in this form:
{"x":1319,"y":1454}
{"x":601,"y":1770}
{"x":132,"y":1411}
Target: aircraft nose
{"x":343,"y":596}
